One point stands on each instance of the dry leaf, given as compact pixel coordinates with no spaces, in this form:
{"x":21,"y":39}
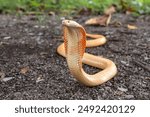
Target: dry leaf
{"x":129,"y":10}
{"x":110,"y":10}
{"x":132,"y":27}
{"x":24,"y":70}
{"x":101,"y":20}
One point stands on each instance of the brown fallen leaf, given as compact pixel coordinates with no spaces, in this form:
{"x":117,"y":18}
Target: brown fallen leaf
{"x":110,"y":10}
{"x":129,"y":10}
{"x":132,"y":27}
{"x":101,"y":20}
{"x":24,"y":70}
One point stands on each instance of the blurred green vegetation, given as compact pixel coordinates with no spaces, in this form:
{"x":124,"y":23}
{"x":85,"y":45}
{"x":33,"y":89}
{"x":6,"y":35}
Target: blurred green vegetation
{"x":73,"y":6}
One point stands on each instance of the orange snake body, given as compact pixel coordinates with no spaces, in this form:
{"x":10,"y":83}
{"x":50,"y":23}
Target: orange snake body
{"x":73,"y":49}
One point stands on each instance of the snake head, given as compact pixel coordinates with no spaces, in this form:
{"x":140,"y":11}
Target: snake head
{"x":70,"y":23}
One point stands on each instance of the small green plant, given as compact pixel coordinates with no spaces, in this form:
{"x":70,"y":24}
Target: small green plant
{"x":138,"y":6}
{"x":67,"y":6}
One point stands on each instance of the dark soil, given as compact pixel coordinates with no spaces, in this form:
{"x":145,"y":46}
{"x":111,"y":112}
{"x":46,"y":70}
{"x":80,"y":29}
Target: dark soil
{"x":30,"y":68}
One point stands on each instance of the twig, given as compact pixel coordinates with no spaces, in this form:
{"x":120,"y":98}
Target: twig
{"x":127,"y":32}
{"x":141,"y":64}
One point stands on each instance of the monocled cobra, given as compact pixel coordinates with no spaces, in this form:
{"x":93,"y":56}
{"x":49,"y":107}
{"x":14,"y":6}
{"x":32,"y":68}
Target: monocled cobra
{"x":73,"y":49}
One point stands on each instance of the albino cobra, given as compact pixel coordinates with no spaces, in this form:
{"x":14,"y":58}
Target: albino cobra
{"x":73,"y":49}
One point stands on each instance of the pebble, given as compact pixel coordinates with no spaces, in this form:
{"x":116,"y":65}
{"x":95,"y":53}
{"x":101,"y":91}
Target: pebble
{"x":148,"y":39}
{"x":124,"y":63}
{"x":129,"y":96}
{"x":31,"y":34}
{"x":39,"y":79}
{"x":43,"y":27}
{"x":146,"y":93}
{"x":40,"y":34}
{"x":122,"y":89}
{"x":7,"y":79}
{"x":7,"y":38}
{"x":36,"y":26}
{"x":2,"y":75}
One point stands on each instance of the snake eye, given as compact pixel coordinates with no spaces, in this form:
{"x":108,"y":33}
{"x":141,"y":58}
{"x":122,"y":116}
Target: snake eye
{"x":68,"y":21}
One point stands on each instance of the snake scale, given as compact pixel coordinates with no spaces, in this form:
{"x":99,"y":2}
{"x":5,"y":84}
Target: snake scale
{"x":73,"y":49}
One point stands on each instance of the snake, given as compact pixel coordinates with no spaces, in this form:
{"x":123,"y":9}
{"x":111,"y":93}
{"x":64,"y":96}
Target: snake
{"x":73,"y":49}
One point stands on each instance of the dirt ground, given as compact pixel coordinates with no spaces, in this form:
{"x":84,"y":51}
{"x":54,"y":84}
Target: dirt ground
{"x":30,"y":68}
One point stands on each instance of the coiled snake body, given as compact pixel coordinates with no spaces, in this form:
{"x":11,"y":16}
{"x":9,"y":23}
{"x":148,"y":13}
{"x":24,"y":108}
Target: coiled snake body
{"x":73,"y":49}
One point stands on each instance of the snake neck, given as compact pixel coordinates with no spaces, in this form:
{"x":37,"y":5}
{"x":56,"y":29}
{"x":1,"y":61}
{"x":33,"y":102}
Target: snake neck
{"x":75,"y":42}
